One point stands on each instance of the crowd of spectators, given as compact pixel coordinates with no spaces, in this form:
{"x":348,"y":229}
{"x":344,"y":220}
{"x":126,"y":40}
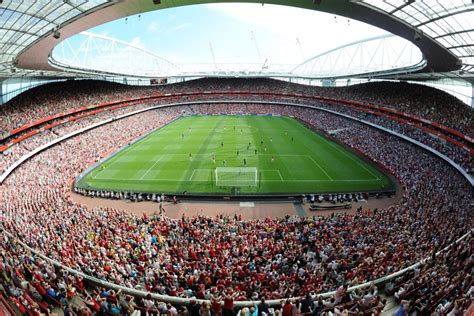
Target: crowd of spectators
{"x":419,"y":100}
{"x":457,"y":154}
{"x":60,"y":97}
{"x":51,"y":99}
{"x":441,"y":285}
{"x":227,"y":258}
{"x":31,"y":143}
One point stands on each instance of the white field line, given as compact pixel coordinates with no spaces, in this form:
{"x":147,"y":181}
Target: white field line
{"x":272,"y":170}
{"x":281,"y":155}
{"x":125,"y":151}
{"x":149,"y":169}
{"x":191,"y":177}
{"x":279,"y":173}
{"x":320,"y":168}
{"x":115,"y":159}
{"x":330,"y":179}
{"x":153,"y":180}
{"x":174,"y":180}
{"x":276,"y":155}
{"x":352,"y":158}
{"x":95,"y":177}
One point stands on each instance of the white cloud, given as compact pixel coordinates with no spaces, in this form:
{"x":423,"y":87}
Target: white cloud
{"x":136,"y":41}
{"x":179,"y":27}
{"x":184,"y":39}
{"x":153,"y":26}
{"x":317,"y":31}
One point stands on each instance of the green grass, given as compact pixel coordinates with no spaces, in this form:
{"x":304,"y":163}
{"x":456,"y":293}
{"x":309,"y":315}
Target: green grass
{"x":304,"y":161}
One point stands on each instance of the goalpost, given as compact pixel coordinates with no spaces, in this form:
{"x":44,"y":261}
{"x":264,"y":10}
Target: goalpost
{"x":236,"y":176}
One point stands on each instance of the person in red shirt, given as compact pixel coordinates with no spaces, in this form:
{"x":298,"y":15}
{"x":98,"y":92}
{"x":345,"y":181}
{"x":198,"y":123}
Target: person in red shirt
{"x":216,"y":306}
{"x":228,"y":308}
{"x":287,"y":309}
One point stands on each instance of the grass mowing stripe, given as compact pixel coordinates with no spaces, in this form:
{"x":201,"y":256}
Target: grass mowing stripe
{"x":307,"y":140}
{"x":304,"y":162}
{"x":351,"y":157}
{"x":203,"y":149}
{"x":317,"y":165}
{"x":157,"y":160}
{"x":269,"y":132}
{"x":276,"y":171}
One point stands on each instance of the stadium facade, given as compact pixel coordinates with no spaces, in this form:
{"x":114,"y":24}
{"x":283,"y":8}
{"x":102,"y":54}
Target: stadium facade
{"x":48,"y":140}
{"x":442,"y":32}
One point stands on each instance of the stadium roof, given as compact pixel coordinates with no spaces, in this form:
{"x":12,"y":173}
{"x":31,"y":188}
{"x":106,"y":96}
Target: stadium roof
{"x":443,"y":30}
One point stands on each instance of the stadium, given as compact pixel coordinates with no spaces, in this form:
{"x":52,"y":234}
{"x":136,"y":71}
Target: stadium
{"x":188,"y":157}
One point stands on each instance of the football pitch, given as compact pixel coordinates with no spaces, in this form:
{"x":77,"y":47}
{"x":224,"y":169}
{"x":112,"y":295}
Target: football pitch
{"x":234,"y":155}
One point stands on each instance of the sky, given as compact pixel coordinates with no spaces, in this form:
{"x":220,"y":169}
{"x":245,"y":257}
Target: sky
{"x":237,"y":33}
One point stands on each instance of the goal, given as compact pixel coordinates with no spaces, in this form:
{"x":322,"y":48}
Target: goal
{"x":236,"y":176}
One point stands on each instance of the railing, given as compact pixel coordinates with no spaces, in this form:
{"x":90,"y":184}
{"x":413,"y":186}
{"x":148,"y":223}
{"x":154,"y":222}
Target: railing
{"x":37,"y":123}
{"x":386,"y":112}
{"x":178,"y":300}
{"x":184,"y":301}
{"x":9,"y":309}
{"x":402,"y":119}
{"x":41,"y":148}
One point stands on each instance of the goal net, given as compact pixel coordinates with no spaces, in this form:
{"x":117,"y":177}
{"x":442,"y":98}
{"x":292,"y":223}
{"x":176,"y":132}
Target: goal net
{"x":236,"y":176}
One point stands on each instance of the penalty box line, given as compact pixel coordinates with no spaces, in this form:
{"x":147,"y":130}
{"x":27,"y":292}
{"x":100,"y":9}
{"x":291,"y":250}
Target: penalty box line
{"x":262,"y":170}
{"x":194,"y":171}
{"x":149,"y":169}
{"x":178,"y":180}
{"x":350,"y":157}
{"x":271,"y":170}
{"x":320,"y":168}
{"x":307,"y":156}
